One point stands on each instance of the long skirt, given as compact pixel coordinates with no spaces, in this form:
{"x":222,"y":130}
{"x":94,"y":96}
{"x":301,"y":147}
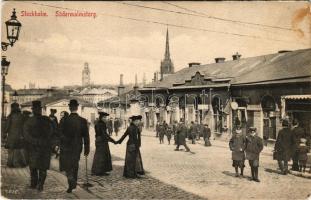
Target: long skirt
{"x":102,"y":158}
{"x":133,"y":163}
{"x":17,"y":158}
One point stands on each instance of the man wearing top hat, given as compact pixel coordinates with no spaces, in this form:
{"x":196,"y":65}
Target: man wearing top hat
{"x":74,"y":135}
{"x":38,"y":132}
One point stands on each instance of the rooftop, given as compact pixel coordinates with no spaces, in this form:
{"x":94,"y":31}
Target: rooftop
{"x":273,"y":68}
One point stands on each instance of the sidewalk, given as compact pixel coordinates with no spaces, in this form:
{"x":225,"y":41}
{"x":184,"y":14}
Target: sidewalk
{"x":15,"y":184}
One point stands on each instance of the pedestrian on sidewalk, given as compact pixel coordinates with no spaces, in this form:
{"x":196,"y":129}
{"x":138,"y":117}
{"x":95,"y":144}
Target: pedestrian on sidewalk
{"x":284,"y":147}
{"x":116,"y":125}
{"x":303,"y":155}
{"x":181,"y":135}
{"x":38,"y":133}
{"x":254,"y":146}
{"x":74,"y":135}
{"x":298,"y":133}
{"x":192,"y":131}
{"x":157,"y":129}
{"x":102,"y":157}
{"x":15,"y":138}
{"x":63,"y":117}
{"x":237,"y":145}
{"x":161,"y":133}
{"x":175,"y":124}
{"x":206,"y":135}
{"x":133,"y":166}
{"x":169,"y":133}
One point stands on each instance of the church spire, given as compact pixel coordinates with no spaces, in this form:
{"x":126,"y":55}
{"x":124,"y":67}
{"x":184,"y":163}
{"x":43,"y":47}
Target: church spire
{"x":167,"y":47}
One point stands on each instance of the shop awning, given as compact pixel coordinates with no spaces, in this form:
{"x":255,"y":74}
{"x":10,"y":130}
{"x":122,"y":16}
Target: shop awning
{"x":298,"y":97}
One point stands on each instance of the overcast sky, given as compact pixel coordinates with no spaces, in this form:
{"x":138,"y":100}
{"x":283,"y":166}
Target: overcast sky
{"x":51,"y":50}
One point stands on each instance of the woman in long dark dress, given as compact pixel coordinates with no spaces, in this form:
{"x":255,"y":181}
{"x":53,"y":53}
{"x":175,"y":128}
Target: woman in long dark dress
{"x":102,"y":157}
{"x":133,"y":163}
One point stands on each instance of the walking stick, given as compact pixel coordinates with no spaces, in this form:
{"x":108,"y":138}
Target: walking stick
{"x":86,"y":184}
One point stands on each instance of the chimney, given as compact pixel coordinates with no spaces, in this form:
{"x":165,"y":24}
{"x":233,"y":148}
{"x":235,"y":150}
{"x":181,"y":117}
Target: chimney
{"x":50,"y":92}
{"x":220,"y":60}
{"x":194,"y":64}
{"x":121,"y":86}
{"x":236,"y":56}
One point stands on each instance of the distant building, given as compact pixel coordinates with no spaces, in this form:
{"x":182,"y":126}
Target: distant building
{"x":86,"y":75}
{"x":167,"y":66}
{"x":28,"y":95}
{"x":94,"y":95}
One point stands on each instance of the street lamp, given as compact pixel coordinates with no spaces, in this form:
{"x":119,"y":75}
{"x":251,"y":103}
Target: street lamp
{"x":4,"y":71}
{"x":12,"y":30}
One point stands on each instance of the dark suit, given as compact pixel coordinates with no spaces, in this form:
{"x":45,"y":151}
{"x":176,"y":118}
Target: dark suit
{"x":38,"y":132}
{"x":74,"y":133}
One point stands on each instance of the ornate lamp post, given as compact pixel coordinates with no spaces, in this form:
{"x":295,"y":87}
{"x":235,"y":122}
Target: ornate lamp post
{"x":4,"y":71}
{"x":12,"y":30}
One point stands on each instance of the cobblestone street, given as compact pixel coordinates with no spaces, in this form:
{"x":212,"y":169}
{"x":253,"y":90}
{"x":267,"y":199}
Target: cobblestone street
{"x":205,"y":173}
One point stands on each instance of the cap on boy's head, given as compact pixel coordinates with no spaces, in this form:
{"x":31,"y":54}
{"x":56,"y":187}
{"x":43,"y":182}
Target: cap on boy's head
{"x":73,"y":102}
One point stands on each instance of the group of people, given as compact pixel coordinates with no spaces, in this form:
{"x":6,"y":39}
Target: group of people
{"x":246,"y":147}
{"x":113,"y":125}
{"x":192,"y":132}
{"x":32,"y":137}
{"x":291,"y":144}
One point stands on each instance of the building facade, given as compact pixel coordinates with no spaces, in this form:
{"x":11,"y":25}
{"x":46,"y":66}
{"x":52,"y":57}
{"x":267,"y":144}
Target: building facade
{"x":259,"y":91}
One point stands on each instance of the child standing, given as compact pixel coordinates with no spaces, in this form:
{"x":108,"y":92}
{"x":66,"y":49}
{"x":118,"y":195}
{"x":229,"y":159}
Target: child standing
{"x":303,"y":157}
{"x":237,"y":145}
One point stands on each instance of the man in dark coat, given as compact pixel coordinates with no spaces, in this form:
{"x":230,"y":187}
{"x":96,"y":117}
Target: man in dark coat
{"x":15,"y":138}
{"x":161,"y":133}
{"x":74,"y":135}
{"x":206,"y":135}
{"x":38,"y":132}
{"x":254,"y":146}
{"x":237,"y":145}
{"x":157,"y":129}
{"x":284,"y":147}
{"x":192,"y":131}
{"x":55,"y":139}
{"x":116,"y":125}
{"x":181,"y":136}
{"x":298,"y":132}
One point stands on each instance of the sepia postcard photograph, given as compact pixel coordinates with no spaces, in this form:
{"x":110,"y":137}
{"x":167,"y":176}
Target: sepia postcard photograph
{"x":156,"y":100}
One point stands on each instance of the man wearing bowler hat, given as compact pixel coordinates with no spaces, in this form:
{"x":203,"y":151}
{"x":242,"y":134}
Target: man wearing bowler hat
{"x":38,"y":132}
{"x":74,"y":135}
